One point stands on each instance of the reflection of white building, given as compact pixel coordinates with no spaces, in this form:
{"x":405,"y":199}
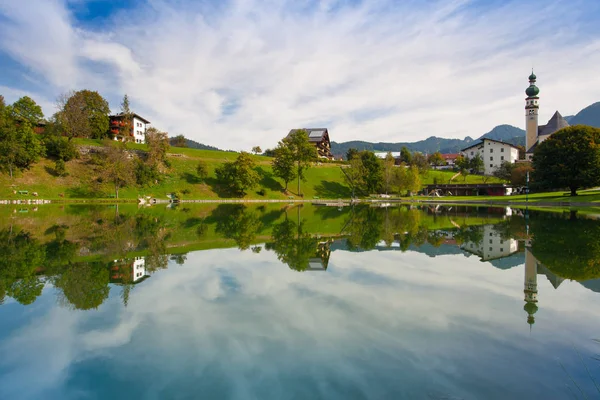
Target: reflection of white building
{"x":139,"y":269}
{"x":492,"y":246}
{"x":131,"y":270}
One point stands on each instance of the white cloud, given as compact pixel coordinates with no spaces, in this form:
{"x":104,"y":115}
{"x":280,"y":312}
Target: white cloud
{"x":243,"y":73}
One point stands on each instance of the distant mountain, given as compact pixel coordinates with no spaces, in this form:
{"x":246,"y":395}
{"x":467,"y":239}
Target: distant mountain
{"x":192,"y":144}
{"x":506,"y":133}
{"x":588,"y":116}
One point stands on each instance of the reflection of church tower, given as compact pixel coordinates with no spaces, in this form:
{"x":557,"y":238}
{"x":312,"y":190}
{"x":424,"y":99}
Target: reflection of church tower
{"x":531,"y":112}
{"x":530,"y":289}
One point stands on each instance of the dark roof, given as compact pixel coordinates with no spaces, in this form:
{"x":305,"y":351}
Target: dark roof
{"x":144,"y":120}
{"x":314,"y":134}
{"x":557,"y":122}
{"x":491,"y":140}
{"x":532,"y":148}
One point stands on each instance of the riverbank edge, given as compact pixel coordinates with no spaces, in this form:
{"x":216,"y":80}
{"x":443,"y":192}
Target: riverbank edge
{"x":322,"y":202}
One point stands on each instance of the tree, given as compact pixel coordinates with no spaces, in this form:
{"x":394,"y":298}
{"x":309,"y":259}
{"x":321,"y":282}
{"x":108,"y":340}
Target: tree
{"x":476,"y":164}
{"x":351,"y":153}
{"x":126,"y":126}
{"x":25,"y":109}
{"x":256,"y":150}
{"x":405,"y":156}
{"x":569,"y":158}
{"x":58,"y":146}
{"x":59,"y":168}
{"x":202,"y":170}
{"x":518,"y":176}
{"x":373,"y":171}
{"x":400,"y":179}
{"x":84,"y":285}
{"x":239,"y":175}
{"x":420,"y":161}
{"x":354,"y":175}
{"x":83,"y":114}
{"x":436,"y":159}
{"x":504,"y":172}
{"x":413,"y":179}
{"x":237,"y":222}
{"x":20,"y":147}
{"x":283,"y":164}
{"x":388,"y":171}
{"x":463,"y":164}
{"x":303,"y":152}
{"x":179,"y":141}
{"x":158,"y":144}
{"x":118,"y":169}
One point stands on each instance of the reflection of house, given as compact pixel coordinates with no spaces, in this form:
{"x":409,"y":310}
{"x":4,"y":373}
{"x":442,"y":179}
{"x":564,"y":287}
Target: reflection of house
{"x":128,"y":271}
{"x":470,"y":189}
{"x":319,"y":137}
{"x":492,"y":246}
{"x":137,"y":126}
{"x":321,"y":259}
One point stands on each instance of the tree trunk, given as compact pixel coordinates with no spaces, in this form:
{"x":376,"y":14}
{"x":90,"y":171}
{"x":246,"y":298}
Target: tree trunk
{"x":116,"y":191}
{"x":573,"y":191}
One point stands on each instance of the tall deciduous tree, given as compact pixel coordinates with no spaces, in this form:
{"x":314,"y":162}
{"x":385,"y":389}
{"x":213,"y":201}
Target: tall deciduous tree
{"x":354,"y":175}
{"x":202,"y":170}
{"x":158,"y":144}
{"x":20,"y":147}
{"x":118,"y":168}
{"x":25,"y":109}
{"x":569,"y":158}
{"x":126,"y":127}
{"x":405,"y":155}
{"x":303,"y":152}
{"x":83,"y":114}
{"x":436,"y":159}
{"x":420,"y":161}
{"x":256,"y":150}
{"x":178,"y":141}
{"x":476,"y":164}
{"x":373,"y":171}
{"x":504,"y":171}
{"x":351,"y":153}
{"x":388,"y":171}
{"x":284,"y":165}
{"x":239,"y":176}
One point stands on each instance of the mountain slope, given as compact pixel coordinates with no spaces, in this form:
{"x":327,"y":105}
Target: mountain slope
{"x":588,"y":116}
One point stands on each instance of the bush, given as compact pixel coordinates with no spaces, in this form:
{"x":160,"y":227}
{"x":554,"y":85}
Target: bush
{"x":60,"y":148}
{"x":145,"y":174}
{"x":262,"y":192}
{"x":60,"y":168}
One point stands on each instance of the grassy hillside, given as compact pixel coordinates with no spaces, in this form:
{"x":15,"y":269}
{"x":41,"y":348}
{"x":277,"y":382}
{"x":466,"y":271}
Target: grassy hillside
{"x":323,"y":180}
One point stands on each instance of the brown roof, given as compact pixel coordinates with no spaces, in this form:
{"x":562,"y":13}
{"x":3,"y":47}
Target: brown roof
{"x":314,"y":134}
{"x":120,"y":115}
{"x":450,"y":156}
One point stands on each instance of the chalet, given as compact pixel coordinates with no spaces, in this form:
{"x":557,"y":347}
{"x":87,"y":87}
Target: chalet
{"x":450,"y":159}
{"x":137,"y":125}
{"x":319,"y":137}
{"x":493,"y":152}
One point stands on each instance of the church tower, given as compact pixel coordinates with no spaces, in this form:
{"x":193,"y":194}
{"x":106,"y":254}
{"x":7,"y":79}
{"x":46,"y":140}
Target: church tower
{"x":531,"y":112}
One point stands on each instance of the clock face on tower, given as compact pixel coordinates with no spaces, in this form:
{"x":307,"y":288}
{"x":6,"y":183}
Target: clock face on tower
{"x":531,"y":112}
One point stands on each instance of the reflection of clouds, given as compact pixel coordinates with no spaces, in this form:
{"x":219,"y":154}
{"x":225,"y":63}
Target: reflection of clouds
{"x":232,"y":324}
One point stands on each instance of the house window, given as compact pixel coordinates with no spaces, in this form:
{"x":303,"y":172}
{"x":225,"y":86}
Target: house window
{"x":501,"y":249}
{"x":502,"y":158}
{"x":502,"y":150}
{"x":491,"y":165}
{"x":491,"y":150}
{"x":471,"y":153}
{"x":490,"y":241}
{"x":490,"y":249}
{"x":490,"y":233}
{"x":491,"y":158}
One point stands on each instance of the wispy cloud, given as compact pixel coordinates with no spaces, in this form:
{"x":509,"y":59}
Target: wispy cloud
{"x":241,"y":73}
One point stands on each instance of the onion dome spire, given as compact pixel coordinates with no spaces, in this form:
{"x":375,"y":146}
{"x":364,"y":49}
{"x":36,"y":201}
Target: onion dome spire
{"x":532,"y":90}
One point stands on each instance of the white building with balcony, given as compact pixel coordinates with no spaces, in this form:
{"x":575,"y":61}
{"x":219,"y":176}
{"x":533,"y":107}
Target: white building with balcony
{"x":493,"y":152}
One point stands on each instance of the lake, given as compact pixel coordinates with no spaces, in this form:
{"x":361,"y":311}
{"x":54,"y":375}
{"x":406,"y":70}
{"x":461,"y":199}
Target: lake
{"x":281,"y":301}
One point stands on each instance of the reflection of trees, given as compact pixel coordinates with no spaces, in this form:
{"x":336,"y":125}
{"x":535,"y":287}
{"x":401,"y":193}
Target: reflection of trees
{"x":472,"y":234}
{"x":20,"y":256}
{"x":365,"y":228}
{"x":83,"y":285}
{"x":238,"y":222}
{"x":568,"y":247}
{"x":297,"y":248}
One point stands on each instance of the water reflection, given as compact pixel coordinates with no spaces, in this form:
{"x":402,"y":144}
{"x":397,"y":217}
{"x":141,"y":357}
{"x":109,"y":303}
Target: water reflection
{"x":86,"y":256}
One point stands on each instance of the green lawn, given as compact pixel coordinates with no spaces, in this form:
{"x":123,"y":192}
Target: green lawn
{"x":324,"y":180}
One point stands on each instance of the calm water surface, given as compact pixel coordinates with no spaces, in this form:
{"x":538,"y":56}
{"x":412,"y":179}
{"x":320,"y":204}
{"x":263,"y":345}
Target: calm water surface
{"x":287,"y":302}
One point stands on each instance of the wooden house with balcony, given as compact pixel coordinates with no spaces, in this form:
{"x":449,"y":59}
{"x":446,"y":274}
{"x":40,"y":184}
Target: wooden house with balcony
{"x":319,"y":137}
{"x":137,"y":128}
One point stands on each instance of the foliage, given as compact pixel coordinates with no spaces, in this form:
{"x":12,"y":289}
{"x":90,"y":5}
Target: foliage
{"x":239,"y":176}
{"x":407,"y":179}
{"x":60,"y":168}
{"x":373,"y":172}
{"x":463,"y":164}
{"x":303,"y":152}
{"x":476,"y":164}
{"x":202,"y":170}
{"x":354,"y":175}
{"x":58,"y":146}
{"x":295,"y":247}
{"x":505,"y":171}
{"x":117,"y":168}
{"x":388,"y":172}
{"x":405,"y":155}
{"x":20,"y":147}
{"x":351,"y":153}
{"x":178,"y":141}
{"x":83,"y":114}
{"x":420,"y":161}
{"x":436,"y":159}
{"x":145,"y":173}
{"x":237,"y":222}
{"x":569,"y":158}
{"x":126,"y":127}
{"x":158,"y":145}
{"x":25,"y":109}
{"x":518,"y":175}
{"x":84,"y":285}
{"x":256,"y":150}
{"x":283,"y":164}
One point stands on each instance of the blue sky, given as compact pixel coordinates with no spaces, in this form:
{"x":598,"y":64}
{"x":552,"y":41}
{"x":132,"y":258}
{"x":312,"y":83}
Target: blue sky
{"x":238,"y":73}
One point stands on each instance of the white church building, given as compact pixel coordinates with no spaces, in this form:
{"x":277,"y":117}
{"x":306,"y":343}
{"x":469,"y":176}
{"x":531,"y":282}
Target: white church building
{"x":536,"y":134}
